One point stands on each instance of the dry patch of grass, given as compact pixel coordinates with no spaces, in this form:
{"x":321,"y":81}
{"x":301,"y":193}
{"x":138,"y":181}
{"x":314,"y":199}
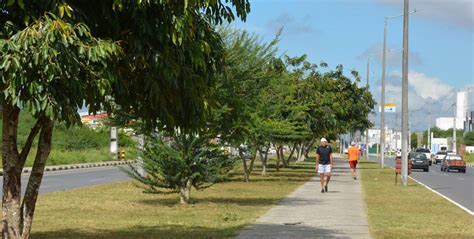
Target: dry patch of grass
{"x":121,"y":210}
{"x":409,"y":212}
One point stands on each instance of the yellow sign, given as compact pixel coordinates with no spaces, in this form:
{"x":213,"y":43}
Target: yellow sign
{"x":390,"y":105}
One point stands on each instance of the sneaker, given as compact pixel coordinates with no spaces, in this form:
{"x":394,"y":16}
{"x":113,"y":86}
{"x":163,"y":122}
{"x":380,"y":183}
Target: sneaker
{"x":322,"y":190}
{"x":326,"y":188}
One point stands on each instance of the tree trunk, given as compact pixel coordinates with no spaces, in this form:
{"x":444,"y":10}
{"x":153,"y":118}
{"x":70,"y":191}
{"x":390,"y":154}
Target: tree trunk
{"x":34,"y":182}
{"x":11,"y":174}
{"x":244,"y":164}
{"x":284,"y":163}
{"x":264,"y":157}
{"x":308,"y":148}
{"x":185,"y":192}
{"x":17,"y":215}
{"x":279,"y":157}
{"x":292,"y":152}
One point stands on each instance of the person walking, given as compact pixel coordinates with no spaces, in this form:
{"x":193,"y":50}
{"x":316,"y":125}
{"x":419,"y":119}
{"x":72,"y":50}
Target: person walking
{"x":354,"y":156}
{"x":324,"y":163}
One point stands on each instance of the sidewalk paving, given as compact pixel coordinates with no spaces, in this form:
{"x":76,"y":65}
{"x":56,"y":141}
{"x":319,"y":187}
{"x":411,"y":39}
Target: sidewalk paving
{"x":308,"y":213}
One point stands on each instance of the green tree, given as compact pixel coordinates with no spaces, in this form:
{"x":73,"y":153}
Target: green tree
{"x":246,"y":73}
{"x":176,"y":163}
{"x":155,"y":59}
{"x":413,"y":140}
{"x":469,"y":138}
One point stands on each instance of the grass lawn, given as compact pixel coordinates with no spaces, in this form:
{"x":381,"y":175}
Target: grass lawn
{"x":409,"y":212}
{"x":469,"y":158}
{"x":121,"y":210}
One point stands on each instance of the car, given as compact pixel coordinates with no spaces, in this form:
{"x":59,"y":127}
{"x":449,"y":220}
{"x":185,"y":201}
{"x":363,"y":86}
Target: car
{"x":439,"y":156}
{"x":419,"y":161}
{"x":453,"y":162}
{"x":427,"y":153}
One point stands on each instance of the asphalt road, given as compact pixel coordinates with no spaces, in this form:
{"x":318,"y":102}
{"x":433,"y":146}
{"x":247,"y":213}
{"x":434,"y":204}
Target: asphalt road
{"x":459,"y":187}
{"x":68,"y":179}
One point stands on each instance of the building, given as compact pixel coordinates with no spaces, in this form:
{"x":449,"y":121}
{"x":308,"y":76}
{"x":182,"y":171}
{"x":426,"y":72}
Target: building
{"x":446,"y":123}
{"x":462,"y":116}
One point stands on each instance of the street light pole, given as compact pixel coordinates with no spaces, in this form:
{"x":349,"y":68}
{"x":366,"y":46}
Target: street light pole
{"x":454,"y":128}
{"x":382,"y":100}
{"x":429,"y":128}
{"x":404,"y":173}
{"x":367,"y":130}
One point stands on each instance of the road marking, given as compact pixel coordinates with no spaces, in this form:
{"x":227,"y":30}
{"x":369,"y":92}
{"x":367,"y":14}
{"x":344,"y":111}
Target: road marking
{"x":97,"y":179}
{"x":461,"y":178}
{"x":443,"y":196}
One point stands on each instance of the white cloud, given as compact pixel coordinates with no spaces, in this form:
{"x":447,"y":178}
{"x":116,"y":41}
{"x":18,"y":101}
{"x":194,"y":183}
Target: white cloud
{"x":428,"y":87}
{"x":455,"y":12}
{"x":424,"y":91}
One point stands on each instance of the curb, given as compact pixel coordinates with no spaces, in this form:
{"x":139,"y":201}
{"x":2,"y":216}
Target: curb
{"x":78,"y":166}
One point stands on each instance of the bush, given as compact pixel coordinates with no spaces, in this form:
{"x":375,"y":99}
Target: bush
{"x":180,"y":162}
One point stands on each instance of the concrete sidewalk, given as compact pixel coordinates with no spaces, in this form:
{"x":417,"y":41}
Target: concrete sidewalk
{"x":308,"y":213}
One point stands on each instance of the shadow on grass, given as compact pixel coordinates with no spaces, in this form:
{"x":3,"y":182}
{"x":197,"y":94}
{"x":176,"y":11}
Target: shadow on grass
{"x":218,"y":200}
{"x":180,"y":231}
{"x":162,"y":231}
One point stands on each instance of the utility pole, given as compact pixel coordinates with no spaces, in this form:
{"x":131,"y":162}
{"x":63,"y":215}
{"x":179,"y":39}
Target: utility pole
{"x":367,"y":130}
{"x":404,"y":171}
{"x":382,"y":100}
{"x":454,"y":129}
{"x":396,"y":133}
{"x":429,"y":127}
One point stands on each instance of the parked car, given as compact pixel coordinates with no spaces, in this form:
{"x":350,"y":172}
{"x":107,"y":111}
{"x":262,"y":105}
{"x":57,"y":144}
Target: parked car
{"x":419,"y":161}
{"x":453,"y":162}
{"x":427,"y":153}
{"x":439,"y":156}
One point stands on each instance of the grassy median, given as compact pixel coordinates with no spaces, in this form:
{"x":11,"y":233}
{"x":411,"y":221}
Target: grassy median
{"x":121,"y":210}
{"x":409,"y":212}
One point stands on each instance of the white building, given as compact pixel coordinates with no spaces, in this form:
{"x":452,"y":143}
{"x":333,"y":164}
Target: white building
{"x":439,"y":144}
{"x":445,"y":123}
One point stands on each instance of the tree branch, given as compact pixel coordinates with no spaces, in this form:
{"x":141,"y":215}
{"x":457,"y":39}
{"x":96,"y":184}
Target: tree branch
{"x":29,"y":142}
{"x":34,"y":182}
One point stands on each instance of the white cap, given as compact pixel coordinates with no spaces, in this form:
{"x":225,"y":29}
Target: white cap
{"x":353,"y":144}
{"x":324,"y":140}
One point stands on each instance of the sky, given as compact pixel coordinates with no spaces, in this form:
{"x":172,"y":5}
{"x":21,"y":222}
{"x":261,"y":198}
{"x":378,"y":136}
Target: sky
{"x":347,"y":32}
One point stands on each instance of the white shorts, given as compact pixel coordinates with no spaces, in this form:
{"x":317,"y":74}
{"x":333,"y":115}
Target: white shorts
{"x":324,"y":168}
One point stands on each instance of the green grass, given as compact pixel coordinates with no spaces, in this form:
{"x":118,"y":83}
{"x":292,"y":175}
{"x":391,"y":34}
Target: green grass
{"x":74,"y":145}
{"x":121,"y":210}
{"x":469,"y":158}
{"x":409,"y":212}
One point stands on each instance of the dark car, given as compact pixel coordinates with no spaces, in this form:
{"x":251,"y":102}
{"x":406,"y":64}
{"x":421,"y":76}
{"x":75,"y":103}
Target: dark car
{"x":439,"y":156}
{"x":427,"y":152}
{"x":419,"y":161}
{"x":453,"y":162}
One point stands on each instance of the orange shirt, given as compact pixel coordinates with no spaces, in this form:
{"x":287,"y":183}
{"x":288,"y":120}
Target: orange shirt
{"x":353,"y":153}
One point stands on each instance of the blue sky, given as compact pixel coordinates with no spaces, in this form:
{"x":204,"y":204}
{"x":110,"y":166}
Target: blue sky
{"x":347,"y":31}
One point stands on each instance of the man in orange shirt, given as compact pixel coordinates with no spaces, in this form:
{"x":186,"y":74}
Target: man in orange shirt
{"x":354,"y":155}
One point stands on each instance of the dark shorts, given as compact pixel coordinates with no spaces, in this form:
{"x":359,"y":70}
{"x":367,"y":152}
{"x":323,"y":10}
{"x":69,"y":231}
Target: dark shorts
{"x":353,"y":164}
